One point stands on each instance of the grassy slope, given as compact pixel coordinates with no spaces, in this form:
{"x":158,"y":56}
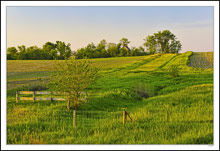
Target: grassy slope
{"x":189,"y":98}
{"x":24,"y":72}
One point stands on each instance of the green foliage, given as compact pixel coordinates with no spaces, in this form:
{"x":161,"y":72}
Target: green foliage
{"x":144,"y":91}
{"x":72,"y":78}
{"x":12,"y":53}
{"x":164,"y":42}
{"x":104,"y":50}
{"x":113,"y":49}
{"x":174,"y":70}
{"x":50,"y":51}
{"x":150,"y":44}
{"x":124,"y":52}
{"x":124,"y":42}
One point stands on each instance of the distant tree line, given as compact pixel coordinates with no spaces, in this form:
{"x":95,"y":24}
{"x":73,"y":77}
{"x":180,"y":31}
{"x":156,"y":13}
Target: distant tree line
{"x":50,"y":51}
{"x":104,"y":50}
{"x":160,"y":42}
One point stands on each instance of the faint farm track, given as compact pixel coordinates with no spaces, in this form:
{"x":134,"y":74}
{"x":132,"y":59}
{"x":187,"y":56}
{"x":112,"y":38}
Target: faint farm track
{"x":157,"y":63}
{"x":202,"y":60}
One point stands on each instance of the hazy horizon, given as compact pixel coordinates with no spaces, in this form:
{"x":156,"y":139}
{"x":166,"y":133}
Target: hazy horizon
{"x":79,"y":26}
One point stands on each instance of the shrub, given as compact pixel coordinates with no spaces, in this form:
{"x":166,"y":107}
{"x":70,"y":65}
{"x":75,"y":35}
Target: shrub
{"x":144,"y":91}
{"x":174,"y":70}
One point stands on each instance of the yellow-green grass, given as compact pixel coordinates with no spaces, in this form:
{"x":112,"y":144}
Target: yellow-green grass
{"x":156,"y":63}
{"x":182,"y":61}
{"x":188,"y":99}
{"x":26,"y":72}
{"x":48,"y":65}
{"x":190,"y":122}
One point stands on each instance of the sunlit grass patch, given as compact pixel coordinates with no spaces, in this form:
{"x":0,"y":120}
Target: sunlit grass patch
{"x":157,"y":63}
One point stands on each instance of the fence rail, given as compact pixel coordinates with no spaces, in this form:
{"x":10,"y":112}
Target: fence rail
{"x":51,"y":98}
{"x":34,"y":98}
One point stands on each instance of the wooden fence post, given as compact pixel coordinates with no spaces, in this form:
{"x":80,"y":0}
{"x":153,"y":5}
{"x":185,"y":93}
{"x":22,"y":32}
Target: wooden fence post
{"x":33,"y":96}
{"x":74,"y":118}
{"x":16,"y":96}
{"x":68,"y":104}
{"x":124,"y":116}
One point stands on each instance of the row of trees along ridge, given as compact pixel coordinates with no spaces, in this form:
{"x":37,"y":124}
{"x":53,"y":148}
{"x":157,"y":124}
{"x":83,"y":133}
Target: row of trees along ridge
{"x":160,"y":42}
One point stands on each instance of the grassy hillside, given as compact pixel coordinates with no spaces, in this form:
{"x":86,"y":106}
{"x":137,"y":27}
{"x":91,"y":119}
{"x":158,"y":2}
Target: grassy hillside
{"x":164,"y":109}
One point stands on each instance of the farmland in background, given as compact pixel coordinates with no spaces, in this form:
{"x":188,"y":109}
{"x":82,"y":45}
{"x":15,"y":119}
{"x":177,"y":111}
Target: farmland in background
{"x":142,"y":85}
{"x":201,"y":60}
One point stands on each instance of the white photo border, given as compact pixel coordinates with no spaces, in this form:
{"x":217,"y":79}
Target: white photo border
{"x":4,"y":4}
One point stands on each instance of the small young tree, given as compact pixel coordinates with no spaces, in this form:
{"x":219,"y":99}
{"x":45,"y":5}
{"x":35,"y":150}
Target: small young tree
{"x":72,"y":78}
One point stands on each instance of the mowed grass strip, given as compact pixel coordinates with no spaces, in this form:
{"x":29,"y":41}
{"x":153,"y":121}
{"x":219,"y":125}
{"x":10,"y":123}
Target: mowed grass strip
{"x":156,"y":63}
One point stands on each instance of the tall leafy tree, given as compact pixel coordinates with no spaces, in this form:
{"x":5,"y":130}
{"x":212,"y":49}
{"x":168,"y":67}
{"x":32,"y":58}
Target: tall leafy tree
{"x":151,"y":44}
{"x":12,"y":53}
{"x":64,"y":51}
{"x":101,"y":49}
{"x":80,"y":53}
{"x":113,"y":49}
{"x":22,"y":53}
{"x":162,"y":41}
{"x":50,"y":50}
{"x":124,"y":52}
{"x":124,"y":42}
{"x":137,"y":51}
{"x":36,"y":53}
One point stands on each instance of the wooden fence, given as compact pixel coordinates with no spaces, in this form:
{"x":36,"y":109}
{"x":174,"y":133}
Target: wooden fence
{"x":34,"y":98}
{"x":85,"y":118}
{"x":125,"y":114}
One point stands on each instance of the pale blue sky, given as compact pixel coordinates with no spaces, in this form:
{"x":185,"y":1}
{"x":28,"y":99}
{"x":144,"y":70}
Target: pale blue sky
{"x":79,"y":26}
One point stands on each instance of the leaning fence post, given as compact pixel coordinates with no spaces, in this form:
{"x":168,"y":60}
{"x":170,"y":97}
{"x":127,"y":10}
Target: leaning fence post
{"x":16,"y":96}
{"x":74,"y":118}
{"x":124,"y":116}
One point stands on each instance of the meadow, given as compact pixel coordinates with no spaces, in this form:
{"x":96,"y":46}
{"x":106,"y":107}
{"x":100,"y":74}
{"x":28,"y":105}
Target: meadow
{"x":164,"y":109}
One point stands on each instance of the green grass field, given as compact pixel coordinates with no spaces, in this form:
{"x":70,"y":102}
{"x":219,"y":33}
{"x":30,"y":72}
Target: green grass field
{"x":177,"y":110}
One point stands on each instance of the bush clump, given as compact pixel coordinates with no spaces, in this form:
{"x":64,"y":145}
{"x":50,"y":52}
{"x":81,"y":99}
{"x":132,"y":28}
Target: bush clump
{"x":174,"y":71}
{"x":144,"y":91}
